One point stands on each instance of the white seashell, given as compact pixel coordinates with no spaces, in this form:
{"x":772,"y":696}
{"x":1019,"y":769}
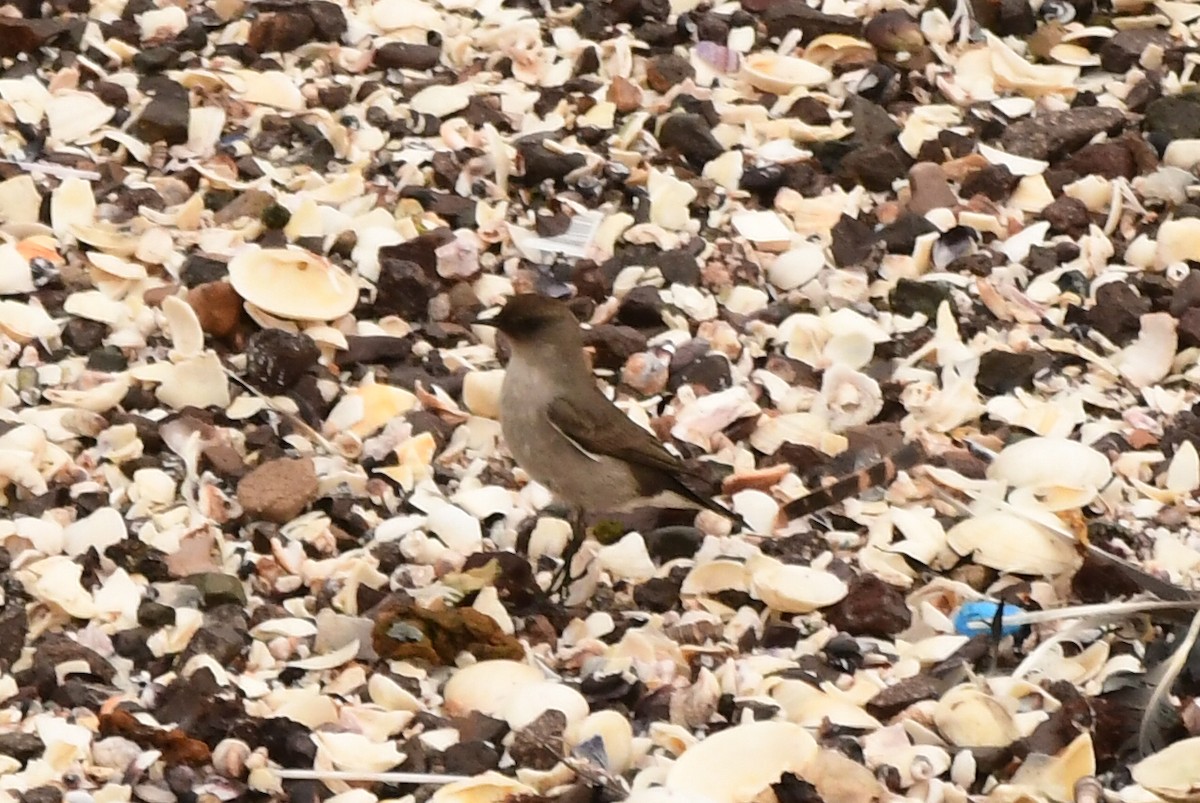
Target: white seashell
{"x":103,"y":528}
{"x":488,"y":686}
{"x":738,"y":763}
{"x":531,"y":700}
{"x":481,"y":392}
{"x":184,"y":327}
{"x":967,"y":717}
{"x":1017,"y":165}
{"x":1178,"y":240}
{"x":20,"y":200}
{"x":16,"y":274}
{"x":390,"y":695}
{"x":74,"y":116}
{"x":454,"y":527}
{"x":442,"y":101}
{"x":1033,"y":80}
{"x":200,"y":381}
{"x":1182,"y":153}
{"x":779,"y":74}
{"x":925,"y":123}
{"x":1183,"y":475}
{"x":490,"y":787}
{"x":71,"y":204}
{"x":164,"y":22}
{"x":669,"y":200}
{"x":1055,"y":776}
{"x":809,"y":706}
{"x":1012,"y":544}
{"x":116,"y":267}
{"x":1148,"y":359}
{"x":627,"y":559}
{"x":764,"y":228}
{"x":270,"y":88}
{"x":714,"y":576}
{"x":1074,"y":55}
{"x":1044,"y":462}
{"x":292,"y":283}
{"x":758,"y":509}
{"x":97,"y":399}
{"x":355,"y":752}
{"x":791,"y":588}
{"x":1173,"y":772}
{"x":24,"y":322}
{"x":726,"y":170}
{"x":836,"y":48}
{"x":614,"y":732}
{"x":1032,"y":194}
{"x":368,"y":408}
{"x":796,"y":267}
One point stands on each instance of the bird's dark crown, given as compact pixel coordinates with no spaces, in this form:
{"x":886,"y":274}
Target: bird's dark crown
{"x":528,"y":314}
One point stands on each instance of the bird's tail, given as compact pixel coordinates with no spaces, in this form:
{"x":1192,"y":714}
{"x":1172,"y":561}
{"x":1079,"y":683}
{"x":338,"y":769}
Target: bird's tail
{"x":708,"y":503}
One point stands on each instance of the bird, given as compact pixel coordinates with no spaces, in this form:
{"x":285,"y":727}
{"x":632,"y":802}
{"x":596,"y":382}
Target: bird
{"x":568,"y":436}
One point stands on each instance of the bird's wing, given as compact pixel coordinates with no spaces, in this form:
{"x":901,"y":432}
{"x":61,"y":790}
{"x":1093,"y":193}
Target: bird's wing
{"x":601,"y":429}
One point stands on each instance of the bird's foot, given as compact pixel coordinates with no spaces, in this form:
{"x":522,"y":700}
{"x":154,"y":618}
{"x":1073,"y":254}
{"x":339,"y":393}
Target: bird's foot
{"x":562,"y":580}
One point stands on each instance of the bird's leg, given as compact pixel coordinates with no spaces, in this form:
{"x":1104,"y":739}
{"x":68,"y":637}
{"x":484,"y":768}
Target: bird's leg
{"x":562,"y":579}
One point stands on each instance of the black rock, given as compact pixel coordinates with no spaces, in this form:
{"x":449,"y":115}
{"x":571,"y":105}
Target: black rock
{"x":691,"y":135}
{"x":875,"y":167}
{"x":909,"y":297}
{"x":404,"y":289}
{"x":641,"y":308}
{"x":853,"y":241}
{"x":276,"y":359}
{"x":1117,"y":312}
{"x":407,"y":56}
{"x":375,"y":349}
{"x":20,"y":746}
{"x":542,"y":164}
{"x":900,"y":236}
{"x":1055,"y":134}
{"x":329,"y":19}
{"x":83,"y":336}
{"x":165,"y":118}
{"x":1002,"y":372}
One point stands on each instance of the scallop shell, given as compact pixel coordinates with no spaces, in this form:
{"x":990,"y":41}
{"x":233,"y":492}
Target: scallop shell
{"x":490,"y":787}
{"x":795,"y":589}
{"x":836,"y":48}
{"x":1173,"y":772}
{"x":772,"y":72}
{"x":292,"y":283}
{"x":967,"y":717}
{"x":1012,"y":544}
{"x":488,"y":686}
{"x":737,"y":764}
{"x":1053,"y":466}
{"x":16,"y":275}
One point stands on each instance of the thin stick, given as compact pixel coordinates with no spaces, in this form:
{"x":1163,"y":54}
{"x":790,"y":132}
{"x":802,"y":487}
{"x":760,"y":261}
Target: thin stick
{"x":377,"y":777}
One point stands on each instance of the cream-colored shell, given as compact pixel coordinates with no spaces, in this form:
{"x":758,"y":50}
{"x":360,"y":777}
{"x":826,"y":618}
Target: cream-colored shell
{"x":292,"y":283}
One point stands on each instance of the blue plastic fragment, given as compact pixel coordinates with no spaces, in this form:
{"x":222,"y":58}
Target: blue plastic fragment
{"x":974,"y":618}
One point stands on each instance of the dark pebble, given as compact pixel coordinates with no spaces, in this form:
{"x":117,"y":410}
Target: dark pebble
{"x":1052,"y":135}
{"x":1067,"y":215}
{"x":276,"y":359}
{"x":613,"y":344}
{"x":407,"y":56}
{"x":994,"y":182}
{"x":1108,"y":159}
{"x":871,"y":607}
{"x":107,"y":359}
{"x":280,"y":32}
{"x":1117,"y":312}
{"x":404,"y":289}
{"x":909,"y":297}
{"x":853,"y":241}
{"x":657,"y":595}
{"x":691,"y":135}
{"x":1125,"y":48}
{"x":20,"y":746}
{"x":470,"y":758}
{"x":668,"y":543}
{"x":1003,"y":371}
{"x":900,"y":236}
{"x":669,"y":70}
{"x":375,"y":349}
{"x":641,"y":308}
{"x":165,"y":118}
{"x":83,"y":336}
{"x":155,"y":614}
{"x":875,"y":166}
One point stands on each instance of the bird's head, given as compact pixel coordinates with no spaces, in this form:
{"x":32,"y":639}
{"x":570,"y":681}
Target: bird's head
{"x":530,"y":318}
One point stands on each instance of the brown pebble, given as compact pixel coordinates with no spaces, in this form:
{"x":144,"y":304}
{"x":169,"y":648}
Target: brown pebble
{"x":278,"y":490}
{"x":645,"y":373}
{"x":624,"y":95}
{"x":217,"y":305}
{"x":929,"y":188}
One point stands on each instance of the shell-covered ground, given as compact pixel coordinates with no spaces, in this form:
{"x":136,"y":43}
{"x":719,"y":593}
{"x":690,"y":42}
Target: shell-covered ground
{"x":257,"y":516}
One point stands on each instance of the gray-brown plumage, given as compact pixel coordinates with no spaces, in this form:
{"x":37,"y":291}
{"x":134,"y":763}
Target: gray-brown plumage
{"x":566,"y":434}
